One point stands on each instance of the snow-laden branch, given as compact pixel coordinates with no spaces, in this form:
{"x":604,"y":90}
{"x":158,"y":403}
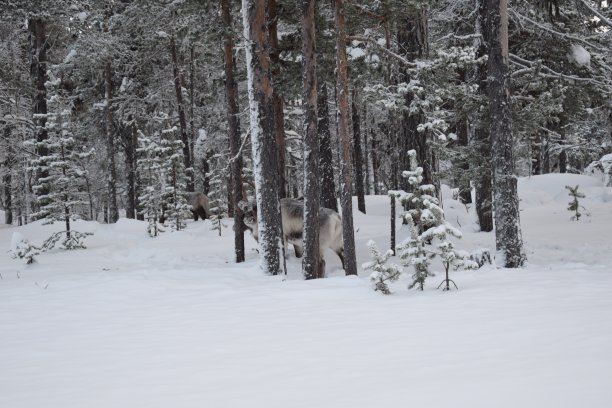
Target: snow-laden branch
{"x":383,"y":49}
{"x":532,"y":66}
{"x":596,"y":13}
{"x":552,"y":31}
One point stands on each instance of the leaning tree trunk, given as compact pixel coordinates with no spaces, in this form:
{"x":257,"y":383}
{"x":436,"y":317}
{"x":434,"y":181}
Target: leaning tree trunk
{"x":508,"y":240}
{"x":358,"y":159}
{"x":113,"y":212}
{"x":263,"y":142}
{"x":326,"y":158}
{"x":38,"y":74}
{"x":279,"y":114}
{"x":312,"y":264}
{"x":231,"y":91}
{"x":350,"y":261}
{"x":181,"y":113}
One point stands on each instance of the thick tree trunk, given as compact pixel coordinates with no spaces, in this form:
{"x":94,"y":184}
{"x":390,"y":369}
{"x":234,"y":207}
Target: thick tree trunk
{"x":113,"y":214}
{"x":350,"y":262}
{"x":181,"y":112}
{"x":482,"y":139}
{"x":326,"y":159}
{"x":312,"y":264}
{"x":358,"y":159}
{"x":263,"y":142}
{"x":508,"y":238}
{"x":465,"y":191}
{"x":279,"y":114}
{"x":38,"y":74}
{"x":231,"y":92}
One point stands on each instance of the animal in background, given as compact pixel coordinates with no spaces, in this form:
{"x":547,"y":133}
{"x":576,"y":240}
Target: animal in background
{"x":292,"y":213}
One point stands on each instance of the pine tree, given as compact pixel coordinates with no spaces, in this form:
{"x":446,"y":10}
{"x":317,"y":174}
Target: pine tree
{"x":60,"y":193}
{"x":174,"y":203}
{"x":149,"y":168}
{"x":382,"y":273}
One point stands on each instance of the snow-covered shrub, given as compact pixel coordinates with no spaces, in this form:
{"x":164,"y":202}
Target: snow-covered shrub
{"x":382,"y":273}
{"x":452,"y":258}
{"x":574,"y":205}
{"x":22,"y":248}
{"x":481,"y":256}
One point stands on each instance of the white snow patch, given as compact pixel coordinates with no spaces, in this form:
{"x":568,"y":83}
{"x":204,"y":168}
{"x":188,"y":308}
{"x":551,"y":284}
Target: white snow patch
{"x":579,"y":55}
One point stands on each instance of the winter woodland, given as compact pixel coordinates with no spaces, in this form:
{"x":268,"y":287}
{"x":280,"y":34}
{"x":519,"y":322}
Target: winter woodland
{"x":235,"y":202}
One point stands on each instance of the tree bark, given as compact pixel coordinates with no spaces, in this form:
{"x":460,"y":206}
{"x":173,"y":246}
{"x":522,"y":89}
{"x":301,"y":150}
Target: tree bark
{"x":358,"y":158}
{"x":113,"y":214}
{"x":482,"y":139}
{"x":312,"y":264}
{"x":7,"y":178}
{"x":130,"y":140}
{"x":231,"y":92}
{"x":350,"y":262}
{"x":508,"y":238}
{"x":279,"y":114}
{"x":326,"y":159}
{"x":263,"y":142}
{"x":181,"y":112}
{"x":465,"y":191}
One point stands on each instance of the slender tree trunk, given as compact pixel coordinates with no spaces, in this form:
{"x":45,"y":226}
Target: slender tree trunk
{"x":231,"y":92}
{"x":312,"y":264}
{"x":326,"y":159}
{"x":279,"y":114}
{"x":7,"y":178}
{"x":465,"y":191}
{"x":350,"y":262}
{"x":113,"y":214}
{"x":38,"y":74}
{"x":482,"y":139}
{"x":181,"y":112}
{"x":193,"y":133}
{"x":375,"y":165}
{"x":358,"y":158}
{"x":263,"y":142}
{"x":129,"y":140}
{"x":508,"y":238}
{"x":366,"y":154}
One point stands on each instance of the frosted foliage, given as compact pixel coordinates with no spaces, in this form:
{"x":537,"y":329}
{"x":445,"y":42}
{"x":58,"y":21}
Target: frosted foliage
{"x":382,"y":273}
{"x":429,"y":231}
{"x":579,"y":55}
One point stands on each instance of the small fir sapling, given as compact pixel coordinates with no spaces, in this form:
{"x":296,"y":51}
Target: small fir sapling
{"x":574,"y":205}
{"x":382,"y":273}
{"x":22,"y":248}
{"x":175,"y":187}
{"x":149,"y":168}
{"x":427,"y":225}
{"x":217,"y":190}
{"x":452,"y":258}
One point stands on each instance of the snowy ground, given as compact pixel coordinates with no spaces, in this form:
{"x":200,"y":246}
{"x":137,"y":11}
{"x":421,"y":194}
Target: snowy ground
{"x":172,"y":322}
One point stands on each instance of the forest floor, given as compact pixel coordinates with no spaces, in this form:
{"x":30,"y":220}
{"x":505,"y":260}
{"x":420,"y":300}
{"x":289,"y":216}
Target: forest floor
{"x":171,"y":322}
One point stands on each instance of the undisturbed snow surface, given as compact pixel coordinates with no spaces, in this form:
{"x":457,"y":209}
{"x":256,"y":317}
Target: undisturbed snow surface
{"x":172,"y":322}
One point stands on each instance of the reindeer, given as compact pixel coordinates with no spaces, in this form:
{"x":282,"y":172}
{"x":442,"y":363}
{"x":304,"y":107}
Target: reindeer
{"x":292,"y":213}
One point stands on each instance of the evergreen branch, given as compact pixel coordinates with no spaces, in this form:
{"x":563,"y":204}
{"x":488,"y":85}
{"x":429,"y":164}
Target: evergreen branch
{"x":597,"y":14}
{"x":380,"y":47}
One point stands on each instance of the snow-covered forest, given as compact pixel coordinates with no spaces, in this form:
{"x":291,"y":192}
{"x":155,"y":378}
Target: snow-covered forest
{"x":298,"y":203}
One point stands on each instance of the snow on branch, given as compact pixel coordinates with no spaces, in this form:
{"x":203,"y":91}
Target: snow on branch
{"x":383,"y":49}
{"x":596,"y":13}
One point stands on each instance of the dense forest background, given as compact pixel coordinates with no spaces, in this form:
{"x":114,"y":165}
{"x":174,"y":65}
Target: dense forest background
{"x":117,"y":108}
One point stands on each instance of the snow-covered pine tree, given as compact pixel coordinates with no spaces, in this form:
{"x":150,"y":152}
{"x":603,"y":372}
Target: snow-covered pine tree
{"x":218,"y":190}
{"x":455,"y":259}
{"x":149,"y":169}
{"x":60,"y":193}
{"x":382,"y":273}
{"x":176,"y":208}
{"x":574,"y":205}
{"x":427,"y":225}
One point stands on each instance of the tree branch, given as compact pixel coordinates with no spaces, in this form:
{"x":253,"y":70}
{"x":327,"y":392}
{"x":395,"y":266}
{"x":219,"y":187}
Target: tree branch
{"x":380,"y":47}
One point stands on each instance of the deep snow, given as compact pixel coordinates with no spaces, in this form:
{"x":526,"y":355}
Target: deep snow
{"x":171,"y":322}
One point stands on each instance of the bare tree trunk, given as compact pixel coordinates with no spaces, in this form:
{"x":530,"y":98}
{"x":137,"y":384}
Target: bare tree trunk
{"x":113,"y":215}
{"x":482,"y":139}
{"x":129,"y":141}
{"x":38,"y":74}
{"x":312,"y":264}
{"x":231,"y":91}
{"x":279,"y":114}
{"x":358,"y":159}
{"x":350,"y":262}
{"x":465,"y":191}
{"x":366,"y":154}
{"x":375,"y":165}
{"x":508,"y":238}
{"x":326,"y":159}
{"x":7,"y":179}
{"x":181,"y":112}
{"x":263,"y":142}
{"x":193,"y":133}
